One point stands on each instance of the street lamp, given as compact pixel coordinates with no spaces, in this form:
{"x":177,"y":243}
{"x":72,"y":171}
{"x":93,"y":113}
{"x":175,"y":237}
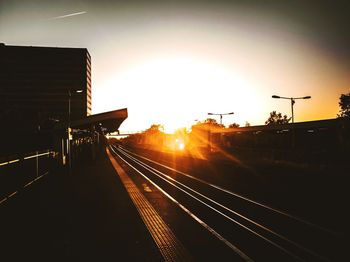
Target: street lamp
{"x":292,"y":102}
{"x":209,"y":131}
{"x":215,"y":114}
{"x":69,"y":129}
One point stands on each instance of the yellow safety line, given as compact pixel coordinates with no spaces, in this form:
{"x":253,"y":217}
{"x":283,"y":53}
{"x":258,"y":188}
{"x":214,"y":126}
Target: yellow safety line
{"x":169,"y":246}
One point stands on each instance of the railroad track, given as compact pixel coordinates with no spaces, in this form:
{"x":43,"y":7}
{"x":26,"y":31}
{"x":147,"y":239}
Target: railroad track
{"x":250,"y":229}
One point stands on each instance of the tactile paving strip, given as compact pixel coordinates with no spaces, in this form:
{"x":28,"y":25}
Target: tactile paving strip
{"x":169,"y":246}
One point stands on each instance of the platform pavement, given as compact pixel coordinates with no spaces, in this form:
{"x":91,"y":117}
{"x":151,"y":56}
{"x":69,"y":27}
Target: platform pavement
{"x":83,"y":216}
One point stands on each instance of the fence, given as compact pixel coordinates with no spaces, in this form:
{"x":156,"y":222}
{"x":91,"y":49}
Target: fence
{"x":20,"y":171}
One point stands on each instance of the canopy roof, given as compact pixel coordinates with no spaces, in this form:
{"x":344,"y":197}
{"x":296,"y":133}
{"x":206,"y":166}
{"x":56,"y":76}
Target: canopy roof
{"x":107,"y":121}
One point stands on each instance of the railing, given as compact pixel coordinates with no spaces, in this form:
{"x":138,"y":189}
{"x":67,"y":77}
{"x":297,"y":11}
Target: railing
{"x":20,"y":171}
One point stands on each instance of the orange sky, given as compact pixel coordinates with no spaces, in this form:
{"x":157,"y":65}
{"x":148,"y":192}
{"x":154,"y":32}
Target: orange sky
{"x":180,"y":74}
{"x":173,"y":63}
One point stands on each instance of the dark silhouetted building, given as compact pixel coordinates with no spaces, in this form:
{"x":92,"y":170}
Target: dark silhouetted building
{"x":35,"y":83}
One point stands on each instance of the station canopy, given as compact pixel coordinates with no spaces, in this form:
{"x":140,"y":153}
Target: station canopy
{"x":106,"y":122}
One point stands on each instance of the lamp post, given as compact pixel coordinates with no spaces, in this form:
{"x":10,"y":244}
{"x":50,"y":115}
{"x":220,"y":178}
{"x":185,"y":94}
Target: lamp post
{"x":69,"y":128}
{"x":209,"y":130}
{"x":215,"y":114}
{"x":292,"y":102}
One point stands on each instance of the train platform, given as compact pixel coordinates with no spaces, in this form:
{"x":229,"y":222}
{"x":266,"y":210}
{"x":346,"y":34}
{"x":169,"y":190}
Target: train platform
{"x":86,"y":215}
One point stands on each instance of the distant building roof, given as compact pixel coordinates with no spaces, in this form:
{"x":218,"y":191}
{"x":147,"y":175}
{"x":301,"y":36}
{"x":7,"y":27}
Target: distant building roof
{"x":302,"y":125}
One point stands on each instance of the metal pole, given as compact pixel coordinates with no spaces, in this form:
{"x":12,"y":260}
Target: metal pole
{"x":292,"y":105}
{"x":37,"y":164}
{"x":220,"y":119}
{"x":69,"y":149}
{"x":292,"y":101}
{"x":209,"y":138}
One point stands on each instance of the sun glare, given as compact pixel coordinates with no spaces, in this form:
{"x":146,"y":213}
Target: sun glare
{"x":169,"y":129}
{"x":178,"y":90}
{"x":181,"y":146}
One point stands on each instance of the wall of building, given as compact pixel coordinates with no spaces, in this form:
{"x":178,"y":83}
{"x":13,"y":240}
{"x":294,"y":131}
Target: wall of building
{"x":34,"y":89}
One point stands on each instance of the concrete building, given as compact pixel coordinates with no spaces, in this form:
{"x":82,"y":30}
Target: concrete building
{"x":38,"y":90}
{"x":35,"y":83}
{"x":39,"y":100}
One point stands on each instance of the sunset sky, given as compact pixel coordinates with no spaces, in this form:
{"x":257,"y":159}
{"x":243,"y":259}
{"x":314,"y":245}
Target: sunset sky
{"x":171,"y":62}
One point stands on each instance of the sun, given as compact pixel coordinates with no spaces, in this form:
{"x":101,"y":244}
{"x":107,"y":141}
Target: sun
{"x":170,"y":129}
{"x":173,"y":91}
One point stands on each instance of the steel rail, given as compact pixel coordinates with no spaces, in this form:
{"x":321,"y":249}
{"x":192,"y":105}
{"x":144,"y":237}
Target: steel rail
{"x":298,"y":219}
{"x":196,"y":218}
{"x":282,"y":237}
{"x":238,"y":223}
{"x":168,"y":245}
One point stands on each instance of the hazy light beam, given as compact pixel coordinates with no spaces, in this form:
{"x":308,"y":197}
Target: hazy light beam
{"x":69,"y":15}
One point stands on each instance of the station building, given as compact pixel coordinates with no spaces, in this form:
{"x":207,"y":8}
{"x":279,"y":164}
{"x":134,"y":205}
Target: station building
{"x":43,"y":91}
{"x":37,"y":82}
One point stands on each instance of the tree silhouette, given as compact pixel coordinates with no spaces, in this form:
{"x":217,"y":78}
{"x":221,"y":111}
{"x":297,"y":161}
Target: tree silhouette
{"x":247,"y":124}
{"x":344,"y":104}
{"x":155,"y":128}
{"x":277,"y":119}
{"x":208,"y":125}
{"x":210,"y":122}
{"x":233,"y":125}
